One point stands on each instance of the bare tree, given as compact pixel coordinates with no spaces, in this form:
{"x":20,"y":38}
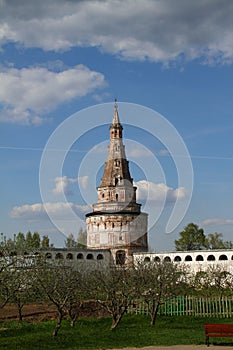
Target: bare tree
{"x":61,"y":285}
{"x":158,"y":281}
{"x":213,"y":281}
{"x":113,"y":290}
{"x":8,"y":261}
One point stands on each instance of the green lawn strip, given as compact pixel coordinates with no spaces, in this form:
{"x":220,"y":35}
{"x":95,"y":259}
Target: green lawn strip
{"x":96,"y":334}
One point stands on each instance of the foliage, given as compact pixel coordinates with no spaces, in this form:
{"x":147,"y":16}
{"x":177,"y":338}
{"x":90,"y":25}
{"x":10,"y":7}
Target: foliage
{"x":113,"y":289}
{"x":45,"y":242}
{"x":22,"y":243}
{"x":82,"y":238}
{"x":70,"y":241}
{"x":7,"y":269}
{"x":215,"y":241}
{"x":191,"y":238}
{"x":62,"y":286}
{"x":158,"y":281}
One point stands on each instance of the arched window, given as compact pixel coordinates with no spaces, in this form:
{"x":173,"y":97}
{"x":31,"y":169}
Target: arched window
{"x":90,"y":256}
{"x":48,"y":256}
{"x":59,"y":256}
{"x":188,"y":258}
{"x":167,"y":259}
{"x":69,"y":256}
{"x":211,"y":258}
{"x":147,"y":259}
{"x":223,"y":257}
{"x":100,"y":257}
{"x":157,"y":259}
{"x":177,"y":258}
{"x":120,"y":257}
{"x":199,"y":258}
{"x":80,"y":256}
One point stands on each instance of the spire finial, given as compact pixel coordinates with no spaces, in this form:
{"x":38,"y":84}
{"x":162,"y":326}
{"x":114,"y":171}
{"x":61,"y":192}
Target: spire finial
{"x":116,"y":120}
{"x":115,"y":105}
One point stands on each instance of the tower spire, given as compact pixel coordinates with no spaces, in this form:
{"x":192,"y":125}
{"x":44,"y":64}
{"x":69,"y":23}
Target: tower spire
{"x":116,"y":119}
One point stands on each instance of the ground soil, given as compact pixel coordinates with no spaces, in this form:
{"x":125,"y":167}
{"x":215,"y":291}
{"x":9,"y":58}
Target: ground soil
{"x":43,"y":312}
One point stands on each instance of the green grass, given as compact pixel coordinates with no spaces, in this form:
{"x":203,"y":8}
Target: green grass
{"x":95,"y":333}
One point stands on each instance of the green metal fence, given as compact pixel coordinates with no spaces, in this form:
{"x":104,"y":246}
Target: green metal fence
{"x":190,"y":306}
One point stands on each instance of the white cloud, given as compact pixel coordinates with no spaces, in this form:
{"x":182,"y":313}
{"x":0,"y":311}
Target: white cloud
{"x":27,"y":94}
{"x":62,"y":184}
{"x":83,"y":181}
{"x":133,"y":29}
{"x":149,"y":191}
{"x":137,"y":150}
{"x":217,"y":221}
{"x":38,"y":211}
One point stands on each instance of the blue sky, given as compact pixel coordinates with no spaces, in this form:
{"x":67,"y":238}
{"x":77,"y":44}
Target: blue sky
{"x":60,"y":57}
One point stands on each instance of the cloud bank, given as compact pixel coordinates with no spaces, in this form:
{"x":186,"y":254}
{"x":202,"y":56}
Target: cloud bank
{"x":155,"y":30}
{"x":158,"y":192}
{"x":38,"y":211}
{"x":217,"y":221}
{"x":27,"y":94}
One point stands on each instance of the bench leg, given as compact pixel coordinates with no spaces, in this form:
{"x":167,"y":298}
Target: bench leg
{"x":207,"y":341}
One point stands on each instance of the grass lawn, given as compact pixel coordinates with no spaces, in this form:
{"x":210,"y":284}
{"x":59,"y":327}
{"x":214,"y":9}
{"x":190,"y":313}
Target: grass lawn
{"x":134,"y":330}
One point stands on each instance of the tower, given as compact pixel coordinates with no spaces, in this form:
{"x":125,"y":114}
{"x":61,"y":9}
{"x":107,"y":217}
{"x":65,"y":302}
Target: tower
{"x":116,"y":222}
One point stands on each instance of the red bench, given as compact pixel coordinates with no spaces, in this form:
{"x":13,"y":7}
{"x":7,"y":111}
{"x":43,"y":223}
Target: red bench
{"x":218,"y":330}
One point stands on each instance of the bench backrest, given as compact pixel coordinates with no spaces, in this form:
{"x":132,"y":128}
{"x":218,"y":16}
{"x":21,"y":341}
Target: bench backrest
{"x":219,"y":328}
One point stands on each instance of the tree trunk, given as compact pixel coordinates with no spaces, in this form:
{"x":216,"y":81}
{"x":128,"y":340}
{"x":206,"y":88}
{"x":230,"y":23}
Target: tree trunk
{"x":154,"y":314}
{"x":58,"y":325}
{"x":20,"y":315}
{"x":116,"y":320}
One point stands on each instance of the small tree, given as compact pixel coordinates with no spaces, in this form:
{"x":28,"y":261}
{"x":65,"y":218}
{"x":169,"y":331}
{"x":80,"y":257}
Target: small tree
{"x":7,"y":268}
{"x":20,"y":242}
{"x":215,"y":241}
{"x":158,"y":281}
{"x":45,"y":242}
{"x":22,"y":285}
{"x":70,"y":241}
{"x":82,"y":238}
{"x":214,"y":281}
{"x":61,"y":285}
{"x":29,"y":240}
{"x":36,"y":240}
{"x":113,"y":290}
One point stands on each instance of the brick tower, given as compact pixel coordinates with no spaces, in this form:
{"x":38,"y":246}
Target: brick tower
{"x":116,"y":222}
